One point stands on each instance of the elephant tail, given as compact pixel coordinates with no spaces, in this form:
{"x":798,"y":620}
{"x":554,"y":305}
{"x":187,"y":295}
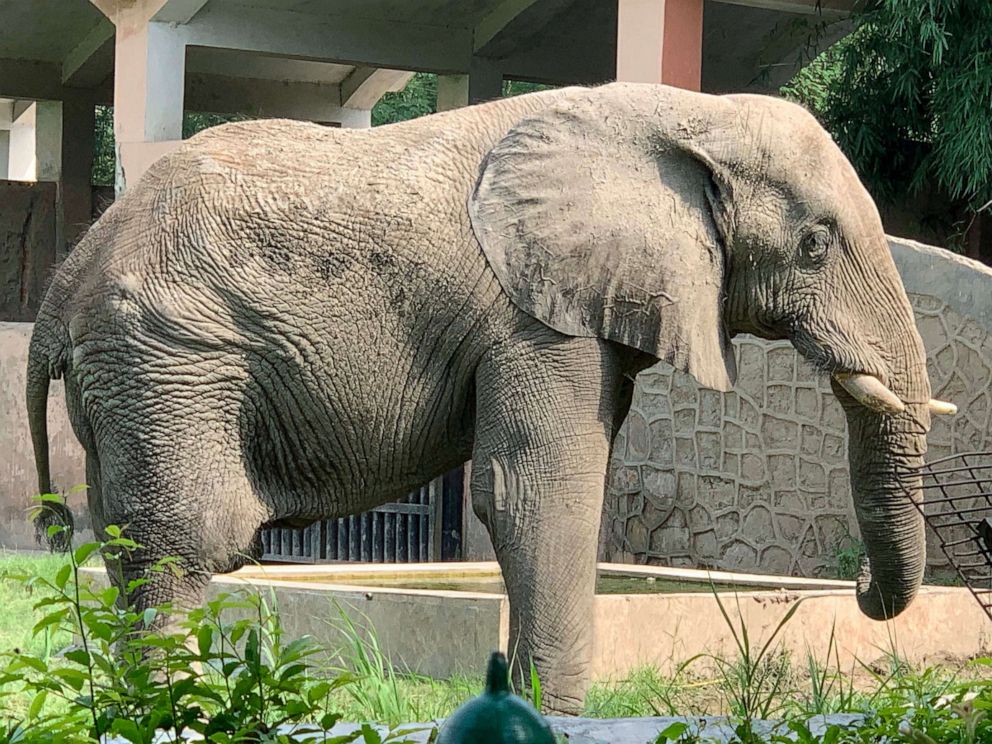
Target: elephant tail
{"x":42,"y":368}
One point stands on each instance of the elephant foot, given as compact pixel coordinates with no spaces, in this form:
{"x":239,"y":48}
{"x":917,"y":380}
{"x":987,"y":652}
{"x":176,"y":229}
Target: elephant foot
{"x":561,"y":705}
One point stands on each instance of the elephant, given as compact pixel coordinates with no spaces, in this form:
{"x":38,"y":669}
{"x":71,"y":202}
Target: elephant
{"x":283,"y":322}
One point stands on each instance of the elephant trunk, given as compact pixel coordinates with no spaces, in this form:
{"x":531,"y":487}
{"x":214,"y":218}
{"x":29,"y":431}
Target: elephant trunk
{"x":886,"y":452}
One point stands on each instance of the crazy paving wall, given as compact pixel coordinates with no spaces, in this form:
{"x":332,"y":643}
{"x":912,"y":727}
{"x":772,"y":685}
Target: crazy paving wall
{"x":757,"y":479}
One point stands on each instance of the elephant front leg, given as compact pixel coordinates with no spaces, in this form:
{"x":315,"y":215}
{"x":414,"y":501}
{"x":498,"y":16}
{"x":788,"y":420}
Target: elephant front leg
{"x":545,"y":422}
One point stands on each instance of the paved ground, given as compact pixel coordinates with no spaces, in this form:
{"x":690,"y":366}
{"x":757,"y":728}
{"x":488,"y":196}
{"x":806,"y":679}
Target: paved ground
{"x":595,"y":731}
{"x":613,"y":731}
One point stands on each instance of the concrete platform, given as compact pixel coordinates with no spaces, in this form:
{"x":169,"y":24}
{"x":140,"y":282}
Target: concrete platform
{"x":441,"y":633}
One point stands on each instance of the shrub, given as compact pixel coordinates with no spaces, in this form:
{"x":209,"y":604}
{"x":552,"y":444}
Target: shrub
{"x":223,"y":671}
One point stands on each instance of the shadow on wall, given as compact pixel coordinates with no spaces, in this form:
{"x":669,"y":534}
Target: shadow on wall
{"x":757,"y":479}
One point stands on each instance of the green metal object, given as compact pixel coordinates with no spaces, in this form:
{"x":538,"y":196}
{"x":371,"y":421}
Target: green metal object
{"x":496,"y":716}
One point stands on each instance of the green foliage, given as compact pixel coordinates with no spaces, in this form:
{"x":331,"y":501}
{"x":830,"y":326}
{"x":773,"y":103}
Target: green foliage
{"x":907,"y":97}
{"x":829,"y":690}
{"x":418,"y":98}
{"x":848,"y":554}
{"x":223,"y":671}
{"x":103,"y":147}
{"x":647,"y":692}
{"x":227,"y":671}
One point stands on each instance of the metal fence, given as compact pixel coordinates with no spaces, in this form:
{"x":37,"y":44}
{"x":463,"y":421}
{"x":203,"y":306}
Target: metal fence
{"x":423,"y":527}
{"x":957,"y":504}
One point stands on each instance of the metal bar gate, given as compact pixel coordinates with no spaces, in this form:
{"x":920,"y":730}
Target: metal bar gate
{"x":423,"y":527}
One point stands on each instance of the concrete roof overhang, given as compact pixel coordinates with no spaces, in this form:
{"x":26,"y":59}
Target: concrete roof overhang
{"x":50,"y":46}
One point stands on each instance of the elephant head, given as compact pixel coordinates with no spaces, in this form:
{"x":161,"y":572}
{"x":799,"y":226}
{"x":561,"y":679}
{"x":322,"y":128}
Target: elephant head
{"x":669,"y":221}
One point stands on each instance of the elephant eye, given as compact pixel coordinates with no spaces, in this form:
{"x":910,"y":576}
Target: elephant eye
{"x":814,"y":246}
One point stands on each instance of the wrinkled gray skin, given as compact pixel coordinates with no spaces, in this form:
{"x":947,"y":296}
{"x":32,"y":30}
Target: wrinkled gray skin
{"x":283,"y":322}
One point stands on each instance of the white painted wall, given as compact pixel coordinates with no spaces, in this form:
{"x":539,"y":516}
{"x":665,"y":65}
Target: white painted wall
{"x":21,"y":162}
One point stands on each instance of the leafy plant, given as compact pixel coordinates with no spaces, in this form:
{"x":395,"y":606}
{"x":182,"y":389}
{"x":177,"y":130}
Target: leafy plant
{"x":646,"y":692}
{"x":223,"y":671}
{"x":906,"y":97}
{"x":848,"y":554}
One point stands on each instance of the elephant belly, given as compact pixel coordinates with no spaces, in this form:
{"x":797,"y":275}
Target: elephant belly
{"x":335,"y":444}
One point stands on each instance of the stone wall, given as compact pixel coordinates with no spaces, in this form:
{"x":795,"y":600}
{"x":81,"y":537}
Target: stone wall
{"x":757,"y":478}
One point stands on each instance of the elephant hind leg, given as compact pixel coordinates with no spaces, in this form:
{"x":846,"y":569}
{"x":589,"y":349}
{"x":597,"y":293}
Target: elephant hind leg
{"x":546,"y":415}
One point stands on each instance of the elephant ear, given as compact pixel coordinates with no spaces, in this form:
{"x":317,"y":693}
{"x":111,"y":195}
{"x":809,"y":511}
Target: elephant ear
{"x":598,"y":223}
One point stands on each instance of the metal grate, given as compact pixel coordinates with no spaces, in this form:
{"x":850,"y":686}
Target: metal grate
{"x":425,"y":526}
{"x":957,"y":505}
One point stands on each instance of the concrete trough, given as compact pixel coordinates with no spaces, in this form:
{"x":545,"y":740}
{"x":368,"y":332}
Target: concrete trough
{"x":444,"y":632}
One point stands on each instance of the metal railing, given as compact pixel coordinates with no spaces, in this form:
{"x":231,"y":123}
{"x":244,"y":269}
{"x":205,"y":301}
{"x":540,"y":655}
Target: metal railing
{"x":957,"y":505}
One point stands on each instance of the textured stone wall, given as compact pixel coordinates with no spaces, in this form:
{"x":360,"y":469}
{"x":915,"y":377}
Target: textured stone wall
{"x":757,"y":478}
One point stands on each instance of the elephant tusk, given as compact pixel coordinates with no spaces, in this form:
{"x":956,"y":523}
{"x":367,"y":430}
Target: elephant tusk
{"x":870,"y":392}
{"x":942,"y":408}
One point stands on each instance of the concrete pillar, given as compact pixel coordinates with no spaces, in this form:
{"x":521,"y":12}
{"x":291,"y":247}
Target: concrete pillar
{"x":76,"y":193}
{"x":4,"y":152}
{"x":485,"y":80}
{"x":148,"y":92}
{"x":483,"y":83}
{"x":53,"y":141}
{"x":452,"y":92}
{"x":353,"y":118}
{"x":22,"y":158}
{"x":660,"y":41}
{"x":48,"y":140}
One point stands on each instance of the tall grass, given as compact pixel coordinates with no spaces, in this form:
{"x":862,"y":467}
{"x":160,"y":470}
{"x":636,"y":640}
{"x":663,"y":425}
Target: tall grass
{"x":753,"y":680}
{"x":377,"y":691}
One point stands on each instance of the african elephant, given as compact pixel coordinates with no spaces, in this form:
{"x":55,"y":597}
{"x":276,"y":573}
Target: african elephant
{"x":283,"y":322}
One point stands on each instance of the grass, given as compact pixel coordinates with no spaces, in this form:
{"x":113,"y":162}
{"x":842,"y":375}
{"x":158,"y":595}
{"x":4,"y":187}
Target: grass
{"x":16,"y":613}
{"x":758,"y":682}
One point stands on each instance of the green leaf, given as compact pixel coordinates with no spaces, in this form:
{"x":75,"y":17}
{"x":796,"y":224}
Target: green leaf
{"x":84,"y":551}
{"x":148,"y":616}
{"x":36,"y":704}
{"x":252,"y":648}
{"x":78,"y":656}
{"x":52,"y":618}
{"x":127,"y":729}
{"x":535,"y":686}
{"x":370,"y":735}
{"x":671,"y":732}
{"x":204,"y":639}
{"x":62,"y":577}
{"x":74,"y":678}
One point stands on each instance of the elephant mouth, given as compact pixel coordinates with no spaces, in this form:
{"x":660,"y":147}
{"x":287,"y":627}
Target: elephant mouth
{"x":867,"y":388}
